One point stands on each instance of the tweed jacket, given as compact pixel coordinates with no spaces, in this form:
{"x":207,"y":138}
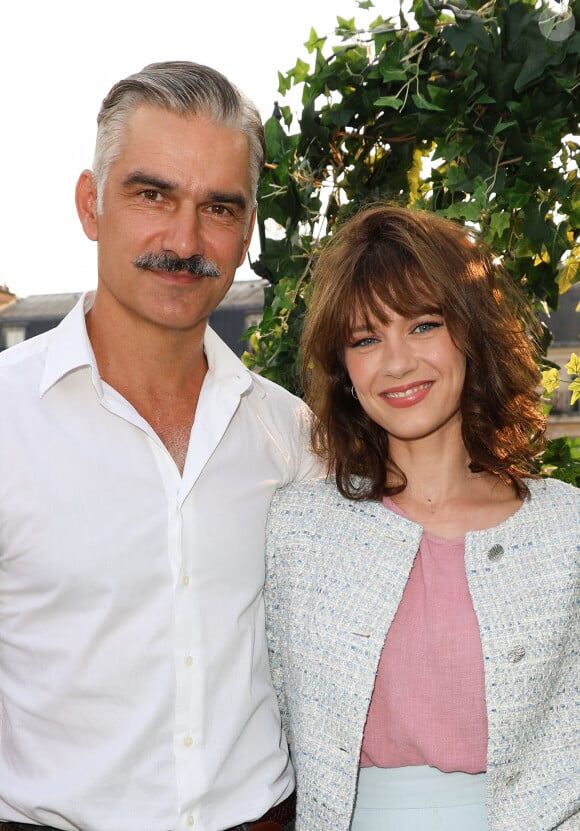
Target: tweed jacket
{"x":336,"y":571}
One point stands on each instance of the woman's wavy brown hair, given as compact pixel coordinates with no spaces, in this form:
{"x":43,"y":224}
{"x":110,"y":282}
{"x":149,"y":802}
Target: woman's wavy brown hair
{"x":417,"y":262}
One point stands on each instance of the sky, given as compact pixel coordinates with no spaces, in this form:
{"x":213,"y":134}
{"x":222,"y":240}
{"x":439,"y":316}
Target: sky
{"x":58,"y":60}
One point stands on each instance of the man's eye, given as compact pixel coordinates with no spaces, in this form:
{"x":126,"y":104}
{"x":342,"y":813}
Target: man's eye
{"x":151,"y":195}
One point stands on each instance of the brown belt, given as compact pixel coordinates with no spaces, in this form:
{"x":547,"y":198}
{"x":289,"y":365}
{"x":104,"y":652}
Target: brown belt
{"x":273,"y":820}
{"x":24,"y":826}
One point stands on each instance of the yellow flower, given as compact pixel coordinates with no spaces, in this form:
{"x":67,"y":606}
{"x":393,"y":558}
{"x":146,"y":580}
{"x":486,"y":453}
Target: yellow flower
{"x":550,"y":380}
{"x":574,"y":387}
{"x":573,"y":365}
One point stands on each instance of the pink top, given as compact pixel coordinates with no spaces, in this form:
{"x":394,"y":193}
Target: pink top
{"x":428,"y":704}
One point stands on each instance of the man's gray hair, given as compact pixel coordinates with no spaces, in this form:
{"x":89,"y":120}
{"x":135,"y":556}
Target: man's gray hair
{"x":184,"y":88}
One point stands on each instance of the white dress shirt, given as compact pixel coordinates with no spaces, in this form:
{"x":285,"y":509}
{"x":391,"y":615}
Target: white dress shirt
{"x":135,"y":691}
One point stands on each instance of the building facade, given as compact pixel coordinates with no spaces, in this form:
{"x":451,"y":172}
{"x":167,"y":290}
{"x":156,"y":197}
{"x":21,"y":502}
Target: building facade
{"x":242,"y":306}
{"x":21,"y":319}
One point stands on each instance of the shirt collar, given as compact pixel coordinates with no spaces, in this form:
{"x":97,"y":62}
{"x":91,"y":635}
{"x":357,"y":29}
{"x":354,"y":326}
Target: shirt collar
{"x":70,"y":349}
{"x":223,"y":364}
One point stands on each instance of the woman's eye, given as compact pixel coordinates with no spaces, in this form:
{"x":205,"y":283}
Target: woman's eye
{"x":366,"y":341}
{"x":428,"y":325}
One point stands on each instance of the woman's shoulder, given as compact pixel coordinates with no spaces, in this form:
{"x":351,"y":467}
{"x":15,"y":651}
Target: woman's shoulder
{"x":551,"y":512}
{"x":296,"y":492}
{"x":306,"y":499}
{"x":308,"y":507}
{"x":319,"y":494}
{"x":554,"y":492}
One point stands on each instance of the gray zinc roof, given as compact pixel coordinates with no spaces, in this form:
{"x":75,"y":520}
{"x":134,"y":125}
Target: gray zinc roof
{"x":242,"y":294}
{"x":245,"y":294}
{"x":38,"y":307}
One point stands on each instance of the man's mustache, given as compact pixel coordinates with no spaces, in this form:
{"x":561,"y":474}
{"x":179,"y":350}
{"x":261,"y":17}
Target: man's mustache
{"x":196,"y":265}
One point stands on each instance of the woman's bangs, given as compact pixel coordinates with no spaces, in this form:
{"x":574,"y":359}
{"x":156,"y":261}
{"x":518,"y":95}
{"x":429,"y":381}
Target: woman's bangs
{"x":407,"y":292}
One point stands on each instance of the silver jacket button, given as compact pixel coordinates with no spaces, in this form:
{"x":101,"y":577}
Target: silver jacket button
{"x":495,"y":552}
{"x":516,"y":653}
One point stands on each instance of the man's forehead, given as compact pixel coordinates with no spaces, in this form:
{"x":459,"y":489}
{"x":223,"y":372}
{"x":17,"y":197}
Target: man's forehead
{"x":159,"y":131}
{"x":149,"y":126}
{"x":177,"y":151}
{"x":143,"y":113}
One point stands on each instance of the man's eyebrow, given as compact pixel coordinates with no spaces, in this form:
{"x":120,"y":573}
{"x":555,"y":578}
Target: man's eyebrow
{"x":140,"y":177}
{"x":229,"y":198}
{"x":144,"y":179}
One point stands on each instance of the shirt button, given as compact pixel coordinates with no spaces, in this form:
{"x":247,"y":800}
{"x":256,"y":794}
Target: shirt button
{"x":186,"y":580}
{"x":189,"y":660}
{"x":190,"y":820}
{"x":188,"y":741}
{"x":495,"y":553}
{"x":516,"y":653}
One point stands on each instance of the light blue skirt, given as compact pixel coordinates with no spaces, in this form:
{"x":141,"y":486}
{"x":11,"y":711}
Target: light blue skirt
{"x":419,"y":799}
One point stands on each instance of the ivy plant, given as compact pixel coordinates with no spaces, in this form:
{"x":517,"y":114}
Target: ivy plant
{"x":464,"y":108}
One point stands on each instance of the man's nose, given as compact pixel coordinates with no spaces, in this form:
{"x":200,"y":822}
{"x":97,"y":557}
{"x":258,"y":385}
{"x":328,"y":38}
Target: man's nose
{"x":184,"y":233}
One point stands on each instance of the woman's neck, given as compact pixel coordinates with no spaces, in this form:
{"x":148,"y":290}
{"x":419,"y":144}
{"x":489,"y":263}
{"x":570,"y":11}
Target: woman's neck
{"x":444,"y":495}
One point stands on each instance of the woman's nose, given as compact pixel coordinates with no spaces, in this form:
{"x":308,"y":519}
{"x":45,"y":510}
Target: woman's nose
{"x":398,"y":357}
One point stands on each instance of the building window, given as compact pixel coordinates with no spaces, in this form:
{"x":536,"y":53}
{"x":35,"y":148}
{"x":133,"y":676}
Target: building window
{"x":14,"y":335}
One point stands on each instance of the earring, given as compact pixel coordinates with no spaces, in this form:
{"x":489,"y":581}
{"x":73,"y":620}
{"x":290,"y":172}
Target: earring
{"x":353,"y":392}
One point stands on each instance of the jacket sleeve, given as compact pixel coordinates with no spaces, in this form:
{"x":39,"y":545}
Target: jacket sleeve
{"x":274,"y":617}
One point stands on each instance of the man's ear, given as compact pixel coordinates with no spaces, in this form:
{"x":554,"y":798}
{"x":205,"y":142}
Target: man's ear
{"x":248,"y":237}
{"x":86,"y":202}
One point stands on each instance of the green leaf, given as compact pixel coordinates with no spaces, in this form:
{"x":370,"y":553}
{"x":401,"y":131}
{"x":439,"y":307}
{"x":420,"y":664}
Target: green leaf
{"x":422,"y":104}
{"x":501,"y":126}
{"x":466,"y":211}
{"x":300,"y":71}
{"x":518,"y":194}
{"x":500,"y":222}
{"x":457,"y":178}
{"x":345,"y":25}
{"x":467,"y":32}
{"x":314,"y":42}
{"x":427,"y":10}
{"x":569,"y":274}
{"x":388,"y":75}
{"x":486,"y":98}
{"x":561,"y":459}
{"x":277,"y":140}
{"x":284,"y":83}
{"x":535,"y":227}
{"x":389,"y":101}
